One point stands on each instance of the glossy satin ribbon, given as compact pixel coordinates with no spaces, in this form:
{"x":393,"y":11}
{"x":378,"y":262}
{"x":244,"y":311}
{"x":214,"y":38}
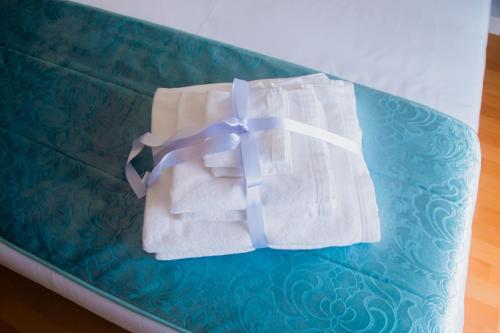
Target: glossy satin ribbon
{"x":222,"y":136}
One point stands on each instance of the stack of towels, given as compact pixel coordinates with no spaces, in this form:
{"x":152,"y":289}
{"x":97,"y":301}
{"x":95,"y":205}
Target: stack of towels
{"x":314,"y":194}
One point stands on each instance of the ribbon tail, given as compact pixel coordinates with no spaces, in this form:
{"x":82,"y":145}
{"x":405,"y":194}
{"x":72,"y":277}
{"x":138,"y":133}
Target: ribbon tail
{"x":293,"y":126}
{"x":251,"y":166}
{"x":253,"y":181}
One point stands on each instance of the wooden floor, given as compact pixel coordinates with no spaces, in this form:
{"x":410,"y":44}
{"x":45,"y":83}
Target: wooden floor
{"x":27,"y":307}
{"x":482,"y":302}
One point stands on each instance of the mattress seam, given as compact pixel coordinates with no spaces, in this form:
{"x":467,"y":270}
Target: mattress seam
{"x":96,"y":78}
{"x":63,"y":154}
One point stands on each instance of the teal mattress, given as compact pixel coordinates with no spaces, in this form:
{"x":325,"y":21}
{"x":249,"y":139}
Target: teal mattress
{"x":76,"y":87}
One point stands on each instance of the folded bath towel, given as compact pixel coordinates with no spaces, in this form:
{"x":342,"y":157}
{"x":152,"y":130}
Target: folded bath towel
{"x":354,"y":220}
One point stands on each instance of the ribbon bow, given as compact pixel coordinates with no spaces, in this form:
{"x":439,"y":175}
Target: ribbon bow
{"x":222,"y":136}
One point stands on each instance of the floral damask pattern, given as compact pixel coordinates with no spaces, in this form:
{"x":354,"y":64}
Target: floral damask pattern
{"x":76,"y":87}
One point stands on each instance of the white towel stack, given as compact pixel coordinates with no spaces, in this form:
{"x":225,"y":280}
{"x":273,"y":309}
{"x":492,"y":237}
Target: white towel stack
{"x":314,"y":194}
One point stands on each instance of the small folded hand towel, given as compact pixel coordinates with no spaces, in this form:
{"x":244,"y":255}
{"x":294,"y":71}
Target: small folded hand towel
{"x":309,"y":189}
{"x":274,"y":146}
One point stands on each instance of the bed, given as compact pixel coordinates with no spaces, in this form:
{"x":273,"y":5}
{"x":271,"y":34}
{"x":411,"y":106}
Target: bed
{"x":425,"y":165}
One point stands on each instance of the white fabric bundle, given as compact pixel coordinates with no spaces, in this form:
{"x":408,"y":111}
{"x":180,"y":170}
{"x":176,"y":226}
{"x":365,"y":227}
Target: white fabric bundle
{"x":315,"y":195}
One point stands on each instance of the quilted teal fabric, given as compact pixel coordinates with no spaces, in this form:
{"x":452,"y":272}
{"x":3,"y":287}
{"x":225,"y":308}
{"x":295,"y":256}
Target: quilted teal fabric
{"x":76,"y":87}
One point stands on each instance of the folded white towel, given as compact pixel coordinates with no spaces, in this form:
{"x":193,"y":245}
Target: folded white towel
{"x":274,"y":146}
{"x":355,"y":217}
{"x":309,"y":189}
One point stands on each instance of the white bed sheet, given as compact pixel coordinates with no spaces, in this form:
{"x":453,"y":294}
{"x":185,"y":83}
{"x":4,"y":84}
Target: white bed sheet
{"x":429,"y":51}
